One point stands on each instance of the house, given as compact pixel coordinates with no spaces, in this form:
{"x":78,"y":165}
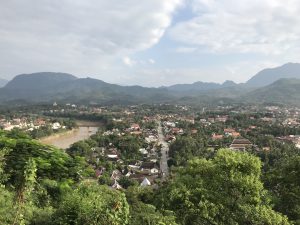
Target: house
{"x":240,"y":144}
{"x":231,"y":132}
{"x":147,"y":165}
{"x":176,"y":130}
{"x":135,"y":127}
{"x":211,"y":119}
{"x":222,"y":119}
{"x":145,"y":182}
{"x":235,"y":134}
{"x":144,"y":152}
{"x":116,"y":185}
{"x":169,"y":124}
{"x":56,"y":126}
{"x":170,"y":138}
{"x":149,"y":168}
{"x":137,"y":177}
{"x":217,"y":136}
{"x":116,"y":175}
{"x":112,"y":157}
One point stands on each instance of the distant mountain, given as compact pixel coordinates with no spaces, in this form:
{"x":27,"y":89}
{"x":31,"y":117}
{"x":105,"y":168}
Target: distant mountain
{"x":268,"y":76}
{"x":283,"y":91}
{"x":39,"y":81}
{"x":47,"y":86}
{"x":3,"y":82}
{"x":199,"y":87}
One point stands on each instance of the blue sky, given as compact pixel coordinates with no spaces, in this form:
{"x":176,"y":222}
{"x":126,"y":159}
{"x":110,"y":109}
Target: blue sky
{"x":149,"y":43}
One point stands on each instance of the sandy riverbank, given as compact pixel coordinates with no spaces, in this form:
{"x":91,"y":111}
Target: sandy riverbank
{"x":66,"y":139}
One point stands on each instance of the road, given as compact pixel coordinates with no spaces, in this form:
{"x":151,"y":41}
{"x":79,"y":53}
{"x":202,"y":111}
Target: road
{"x":164,"y":156}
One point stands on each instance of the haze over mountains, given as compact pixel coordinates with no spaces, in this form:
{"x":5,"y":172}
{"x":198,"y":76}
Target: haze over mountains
{"x":3,"y":82}
{"x":268,"y":76}
{"x":277,"y":85}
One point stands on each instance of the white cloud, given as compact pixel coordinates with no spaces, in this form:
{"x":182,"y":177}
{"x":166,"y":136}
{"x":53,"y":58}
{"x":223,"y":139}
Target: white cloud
{"x":244,"y":26}
{"x":128,"y":61}
{"x":80,"y":36}
{"x":131,"y":62}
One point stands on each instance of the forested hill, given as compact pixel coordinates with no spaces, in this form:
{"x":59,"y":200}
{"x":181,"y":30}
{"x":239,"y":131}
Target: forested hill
{"x":283,"y":91}
{"x":45,"y":87}
{"x":66,"y":88}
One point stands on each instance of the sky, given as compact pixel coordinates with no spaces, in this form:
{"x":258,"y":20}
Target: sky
{"x":149,"y":42}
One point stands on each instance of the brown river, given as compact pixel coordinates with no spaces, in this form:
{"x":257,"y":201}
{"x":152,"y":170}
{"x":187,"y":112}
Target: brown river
{"x":65,"y":140}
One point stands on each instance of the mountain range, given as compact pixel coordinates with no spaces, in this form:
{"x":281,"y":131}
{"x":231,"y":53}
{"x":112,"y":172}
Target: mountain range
{"x":277,"y":85}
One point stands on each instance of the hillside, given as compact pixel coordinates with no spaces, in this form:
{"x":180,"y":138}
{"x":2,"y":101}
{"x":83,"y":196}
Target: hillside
{"x":46,"y":87}
{"x":283,"y":91}
{"x":269,"y":76}
{"x":199,"y":87}
{"x":39,"y":81}
{"x":61,"y":87}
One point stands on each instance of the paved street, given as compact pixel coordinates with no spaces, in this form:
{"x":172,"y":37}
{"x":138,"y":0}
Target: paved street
{"x":164,"y":150}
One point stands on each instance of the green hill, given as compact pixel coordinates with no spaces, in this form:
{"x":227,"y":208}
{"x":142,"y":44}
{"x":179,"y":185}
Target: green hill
{"x":283,"y":91}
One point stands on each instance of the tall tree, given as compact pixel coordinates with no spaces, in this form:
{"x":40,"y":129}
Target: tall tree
{"x":224,"y":190}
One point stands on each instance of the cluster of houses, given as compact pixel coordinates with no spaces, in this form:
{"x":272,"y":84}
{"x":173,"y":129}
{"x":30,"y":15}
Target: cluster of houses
{"x":145,"y":170}
{"x":210,"y":120}
{"x":28,"y":124}
{"x":228,"y":132}
{"x":291,"y":138}
{"x":171,"y":130}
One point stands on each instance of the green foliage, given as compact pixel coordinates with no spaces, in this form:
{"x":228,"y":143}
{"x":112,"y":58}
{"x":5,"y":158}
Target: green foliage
{"x":3,"y":175}
{"x":284,"y":182}
{"x":80,"y":148}
{"x":7,"y":207}
{"x":145,"y":213}
{"x":92,"y":204}
{"x":104,"y":179}
{"x":185,"y":148}
{"x":224,"y":190}
{"x":51,"y":162}
{"x":125,"y":182}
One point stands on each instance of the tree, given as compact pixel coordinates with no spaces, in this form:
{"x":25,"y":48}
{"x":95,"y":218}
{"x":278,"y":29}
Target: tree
{"x":284,"y":183}
{"x":224,"y":190}
{"x":125,"y":182}
{"x":80,"y":148}
{"x":145,"y":213}
{"x":185,"y":148}
{"x":92,"y":204}
{"x":7,"y":208}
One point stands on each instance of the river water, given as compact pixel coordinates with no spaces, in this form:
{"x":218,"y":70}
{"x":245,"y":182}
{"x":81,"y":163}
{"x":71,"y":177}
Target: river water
{"x":66,"y":140}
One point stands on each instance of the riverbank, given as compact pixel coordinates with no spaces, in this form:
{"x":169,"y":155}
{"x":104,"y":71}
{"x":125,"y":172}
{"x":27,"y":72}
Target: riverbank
{"x":87,"y":123}
{"x":46,"y":139}
{"x":66,"y":139}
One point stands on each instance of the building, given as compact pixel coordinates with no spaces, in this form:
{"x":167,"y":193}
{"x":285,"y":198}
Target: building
{"x":240,"y":144}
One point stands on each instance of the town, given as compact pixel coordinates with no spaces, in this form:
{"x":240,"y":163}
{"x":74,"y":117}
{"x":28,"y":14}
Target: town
{"x":139,"y":145}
